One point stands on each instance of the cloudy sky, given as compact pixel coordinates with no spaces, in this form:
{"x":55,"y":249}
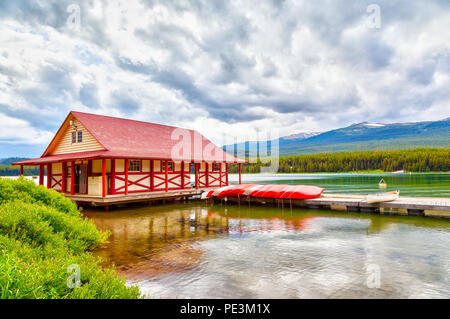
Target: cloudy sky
{"x":220,"y":66}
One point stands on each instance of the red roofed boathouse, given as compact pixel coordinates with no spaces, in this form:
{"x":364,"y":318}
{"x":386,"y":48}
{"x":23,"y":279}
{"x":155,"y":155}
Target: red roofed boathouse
{"x":106,"y":160}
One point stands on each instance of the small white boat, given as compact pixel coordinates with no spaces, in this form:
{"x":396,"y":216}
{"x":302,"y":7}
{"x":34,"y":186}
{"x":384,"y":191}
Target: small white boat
{"x":382,"y":184}
{"x":384,"y":197}
{"x":399,"y":172}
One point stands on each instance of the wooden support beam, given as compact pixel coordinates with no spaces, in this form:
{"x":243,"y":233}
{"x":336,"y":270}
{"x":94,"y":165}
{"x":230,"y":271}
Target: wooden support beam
{"x":240,"y":174}
{"x":72,"y":178}
{"x":21,"y":170}
{"x":220,"y":175}
{"x":49,"y":175}
{"x":196,"y":175}
{"x":206,"y":174}
{"x":41,"y":174}
{"x":152,"y":178}
{"x":113,"y":176}
{"x":63,"y":177}
{"x":226,"y":172}
{"x":126,"y":177}
{"x":103,"y":177}
{"x":167,"y":176}
{"x":182,"y":174}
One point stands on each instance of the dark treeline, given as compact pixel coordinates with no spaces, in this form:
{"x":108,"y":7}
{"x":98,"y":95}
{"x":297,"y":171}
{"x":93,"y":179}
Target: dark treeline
{"x":9,"y":170}
{"x":415,"y":160}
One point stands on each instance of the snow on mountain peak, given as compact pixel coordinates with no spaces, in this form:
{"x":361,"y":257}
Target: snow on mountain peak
{"x":373,"y":125}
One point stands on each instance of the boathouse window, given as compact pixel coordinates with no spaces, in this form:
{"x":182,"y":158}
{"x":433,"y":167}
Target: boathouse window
{"x":216,"y":167}
{"x":74,"y":137}
{"x":134,"y":166}
{"x":80,"y":137}
{"x":169,"y":166}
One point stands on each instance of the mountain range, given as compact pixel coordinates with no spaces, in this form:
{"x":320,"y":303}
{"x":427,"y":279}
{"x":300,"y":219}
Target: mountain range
{"x":365,"y":136}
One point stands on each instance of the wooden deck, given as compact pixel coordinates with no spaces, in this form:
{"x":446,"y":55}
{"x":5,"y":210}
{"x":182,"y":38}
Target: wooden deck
{"x":134,"y":197}
{"x":420,"y":206}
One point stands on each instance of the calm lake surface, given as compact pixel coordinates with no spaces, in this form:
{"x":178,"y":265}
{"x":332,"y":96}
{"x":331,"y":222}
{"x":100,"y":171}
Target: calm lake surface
{"x":195,"y":251}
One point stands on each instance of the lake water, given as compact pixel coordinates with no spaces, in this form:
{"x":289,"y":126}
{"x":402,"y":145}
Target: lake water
{"x":416,"y":184}
{"x":195,"y":251}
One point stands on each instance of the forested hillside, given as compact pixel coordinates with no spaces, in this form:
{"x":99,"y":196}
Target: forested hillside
{"x":416,"y":160}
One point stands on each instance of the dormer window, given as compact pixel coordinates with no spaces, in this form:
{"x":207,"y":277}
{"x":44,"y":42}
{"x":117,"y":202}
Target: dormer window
{"x":80,"y":136}
{"x":74,"y":137}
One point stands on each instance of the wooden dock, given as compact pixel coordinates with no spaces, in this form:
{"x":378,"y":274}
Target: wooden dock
{"x":119,"y":199}
{"x":417,"y":206}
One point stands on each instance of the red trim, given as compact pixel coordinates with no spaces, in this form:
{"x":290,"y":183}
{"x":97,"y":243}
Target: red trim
{"x":113,"y":176}
{"x":49,"y":175}
{"x":197,"y":179}
{"x":103,"y":178}
{"x":134,"y":182}
{"x":182,"y":173}
{"x":126,"y":176}
{"x":207,"y":175}
{"x":239,"y":173}
{"x":63,"y":177}
{"x":41,"y":174}
{"x":152,"y":180}
{"x":226,"y":174}
{"x":220,"y":175}
{"x":72,"y":178}
{"x":167,"y":175}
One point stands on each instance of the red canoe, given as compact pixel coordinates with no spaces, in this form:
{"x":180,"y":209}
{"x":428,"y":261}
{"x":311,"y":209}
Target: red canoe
{"x":236,"y":190}
{"x":258,"y":192}
{"x":274,"y":191}
{"x":302,"y":192}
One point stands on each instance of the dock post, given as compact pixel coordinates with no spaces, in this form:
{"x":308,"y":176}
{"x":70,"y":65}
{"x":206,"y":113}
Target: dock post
{"x":104,"y":178}
{"x":41,"y":174}
{"x":220,"y":175}
{"x":196,"y":175}
{"x":126,"y":176}
{"x":63,"y":177}
{"x":152,"y":183}
{"x":207,"y":174}
{"x":49,"y":175}
{"x":239,"y":173}
{"x":226,"y":174}
{"x":167,"y":176}
{"x":182,"y":174}
{"x":72,"y":178}
{"x":113,"y":176}
{"x":415,"y":212}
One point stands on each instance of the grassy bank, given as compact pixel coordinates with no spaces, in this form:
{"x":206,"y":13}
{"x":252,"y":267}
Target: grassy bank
{"x":41,"y":234}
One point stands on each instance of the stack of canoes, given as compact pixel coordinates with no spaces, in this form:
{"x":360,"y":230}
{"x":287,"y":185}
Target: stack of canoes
{"x":266,"y":191}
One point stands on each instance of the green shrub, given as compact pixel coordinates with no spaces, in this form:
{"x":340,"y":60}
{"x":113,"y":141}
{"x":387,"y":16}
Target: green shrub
{"x":41,"y":234}
{"x":27,"y":191}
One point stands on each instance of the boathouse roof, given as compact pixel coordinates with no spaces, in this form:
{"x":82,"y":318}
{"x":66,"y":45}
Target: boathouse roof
{"x":124,"y":138}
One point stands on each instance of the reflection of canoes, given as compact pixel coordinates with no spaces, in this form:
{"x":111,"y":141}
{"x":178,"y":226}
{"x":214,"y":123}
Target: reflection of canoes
{"x":384,"y":197}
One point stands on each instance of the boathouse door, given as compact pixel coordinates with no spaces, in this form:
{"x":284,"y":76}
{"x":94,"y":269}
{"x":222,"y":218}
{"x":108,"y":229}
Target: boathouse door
{"x":80,"y":177}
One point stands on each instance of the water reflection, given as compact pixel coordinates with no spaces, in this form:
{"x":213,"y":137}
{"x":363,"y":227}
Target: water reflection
{"x":190,"y":251}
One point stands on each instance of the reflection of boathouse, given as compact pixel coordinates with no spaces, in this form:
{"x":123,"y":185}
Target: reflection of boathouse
{"x":106,"y":160}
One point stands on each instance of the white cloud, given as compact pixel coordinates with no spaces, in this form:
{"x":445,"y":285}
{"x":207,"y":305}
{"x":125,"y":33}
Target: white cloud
{"x":224,"y":66}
